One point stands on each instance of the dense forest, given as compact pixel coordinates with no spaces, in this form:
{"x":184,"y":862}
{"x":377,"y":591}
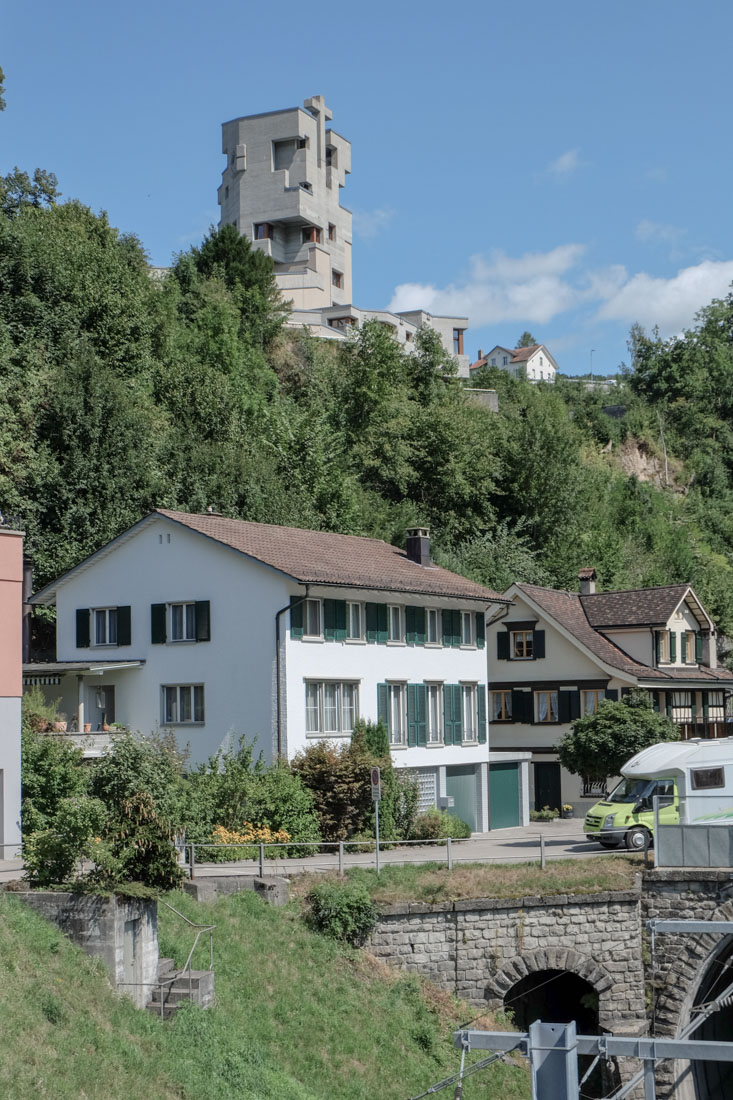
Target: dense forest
{"x":121,"y":392}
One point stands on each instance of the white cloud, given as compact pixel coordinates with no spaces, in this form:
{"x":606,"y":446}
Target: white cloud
{"x":369,"y":223}
{"x":538,"y":286}
{"x":670,"y":303}
{"x":564,"y":165}
{"x":659,"y":232}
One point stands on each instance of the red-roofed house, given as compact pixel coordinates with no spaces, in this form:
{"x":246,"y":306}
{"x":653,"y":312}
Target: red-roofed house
{"x":215,"y":627}
{"x":556,"y":655}
{"x":535,"y":363}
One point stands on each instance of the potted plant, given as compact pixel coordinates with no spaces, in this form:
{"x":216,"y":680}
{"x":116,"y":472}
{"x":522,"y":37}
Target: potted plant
{"x":59,"y":726}
{"x":567,"y":809}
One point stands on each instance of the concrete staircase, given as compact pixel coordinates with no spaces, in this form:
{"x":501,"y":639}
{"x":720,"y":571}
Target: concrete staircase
{"x":176,"y":987}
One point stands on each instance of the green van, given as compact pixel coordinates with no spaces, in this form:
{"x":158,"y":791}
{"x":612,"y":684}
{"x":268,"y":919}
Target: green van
{"x":626,"y":815}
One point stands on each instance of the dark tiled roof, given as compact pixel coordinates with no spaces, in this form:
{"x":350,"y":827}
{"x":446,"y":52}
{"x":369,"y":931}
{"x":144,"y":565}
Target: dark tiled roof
{"x":322,"y":557}
{"x":568,"y":609}
{"x":635,"y":607}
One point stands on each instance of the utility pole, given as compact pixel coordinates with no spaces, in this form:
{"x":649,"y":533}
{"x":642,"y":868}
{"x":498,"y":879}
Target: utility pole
{"x":591,"y":363}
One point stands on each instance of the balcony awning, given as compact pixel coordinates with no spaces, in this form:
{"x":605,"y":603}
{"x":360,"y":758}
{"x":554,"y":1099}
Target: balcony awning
{"x":52,"y":672}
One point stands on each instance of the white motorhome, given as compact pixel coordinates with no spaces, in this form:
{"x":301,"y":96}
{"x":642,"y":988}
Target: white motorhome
{"x":694,"y":782}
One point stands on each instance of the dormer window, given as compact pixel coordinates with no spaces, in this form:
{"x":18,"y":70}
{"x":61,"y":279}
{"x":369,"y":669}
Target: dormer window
{"x":522,"y":645}
{"x":520,"y":642}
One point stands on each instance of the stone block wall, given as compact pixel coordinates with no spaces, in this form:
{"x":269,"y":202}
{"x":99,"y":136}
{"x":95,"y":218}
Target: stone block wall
{"x":122,"y":932}
{"x":479,"y":948}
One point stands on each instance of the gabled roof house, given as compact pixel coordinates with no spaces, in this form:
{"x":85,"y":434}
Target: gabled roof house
{"x":557,"y":654}
{"x":535,"y":362}
{"x":215,"y":627}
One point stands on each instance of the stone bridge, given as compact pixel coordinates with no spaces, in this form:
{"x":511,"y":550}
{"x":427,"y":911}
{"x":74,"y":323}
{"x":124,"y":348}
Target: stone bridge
{"x":535,"y":956}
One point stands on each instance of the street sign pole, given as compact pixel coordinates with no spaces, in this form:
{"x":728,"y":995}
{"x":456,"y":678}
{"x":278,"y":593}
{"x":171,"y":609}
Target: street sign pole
{"x":376,"y":778}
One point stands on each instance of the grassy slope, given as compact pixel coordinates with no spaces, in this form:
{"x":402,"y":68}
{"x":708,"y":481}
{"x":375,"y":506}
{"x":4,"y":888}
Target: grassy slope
{"x":296,"y":1019}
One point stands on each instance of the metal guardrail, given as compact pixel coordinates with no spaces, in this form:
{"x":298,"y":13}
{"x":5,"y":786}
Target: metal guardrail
{"x":336,"y":854}
{"x":200,"y":929}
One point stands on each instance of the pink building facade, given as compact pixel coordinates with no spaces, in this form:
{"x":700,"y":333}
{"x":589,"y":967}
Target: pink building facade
{"x":11,"y":679}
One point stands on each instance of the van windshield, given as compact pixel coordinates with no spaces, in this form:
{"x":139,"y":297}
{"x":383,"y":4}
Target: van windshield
{"x":635,"y":790}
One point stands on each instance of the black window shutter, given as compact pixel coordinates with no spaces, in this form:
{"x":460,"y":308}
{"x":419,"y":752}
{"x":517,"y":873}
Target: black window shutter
{"x":480,"y":629}
{"x":612,"y":694}
{"x":502,"y":645}
{"x":371,"y":611}
{"x":124,"y":626}
{"x":410,"y":624}
{"x":447,"y":618}
{"x":382,"y":634}
{"x":522,"y":706}
{"x":82,"y":628}
{"x":563,"y":705}
{"x":698,"y":648}
{"x":203,"y":621}
{"x":538,"y":643}
{"x":157,"y":623}
{"x":340,"y":629}
{"x":574,"y":705}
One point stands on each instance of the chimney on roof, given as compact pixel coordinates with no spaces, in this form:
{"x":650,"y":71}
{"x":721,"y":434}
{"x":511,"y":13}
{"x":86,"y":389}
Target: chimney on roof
{"x":480,"y":353}
{"x":417,"y":545}
{"x":587,"y":578}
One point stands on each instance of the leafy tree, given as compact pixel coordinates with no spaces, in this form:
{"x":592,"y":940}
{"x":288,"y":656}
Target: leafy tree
{"x":19,"y":190}
{"x":526,"y":340}
{"x":599,"y":744}
{"x":2,"y":90}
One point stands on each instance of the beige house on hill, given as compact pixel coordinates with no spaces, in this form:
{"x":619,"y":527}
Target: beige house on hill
{"x":535,"y":362}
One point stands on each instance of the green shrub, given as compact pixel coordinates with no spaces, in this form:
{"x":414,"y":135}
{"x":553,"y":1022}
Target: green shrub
{"x":343,"y":911}
{"x":545,"y":814}
{"x":55,"y":855}
{"x":280,"y":800}
{"x":51,"y":771}
{"x":437,"y":825}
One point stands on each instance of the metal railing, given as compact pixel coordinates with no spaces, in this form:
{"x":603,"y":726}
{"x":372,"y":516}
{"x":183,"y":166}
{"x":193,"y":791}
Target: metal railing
{"x":336,"y":854}
{"x":200,"y":929}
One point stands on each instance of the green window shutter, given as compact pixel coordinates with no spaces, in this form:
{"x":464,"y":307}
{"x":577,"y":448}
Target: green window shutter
{"x":683,"y":647}
{"x":329,"y":620}
{"x":410,"y":625}
{"x":456,"y":629}
{"x":698,"y":647}
{"x":296,"y":617}
{"x":669,"y":704}
{"x":372,"y":615}
{"x":382,"y":634}
{"x":705,"y":705}
{"x":447,"y":620}
{"x":421,"y":698}
{"x":480,"y":629}
{"x":457,"y":713}
{"x":693,"y":705}
{"x":124,"y":626}
{"x":203,"y":621}
{"x":383,"y":704}
{"x":83,"y":638}
{"x":447,"y":713}
{"x":157,"y":624}
{"x":538,"y":643}
{"x":340,"y":620}
{"x":502,"y":645}
{"x":482,"y":714}
{"x":657,"y":646}
{"x":655,"y":702}
{"x":411,"y":715}
{"x":672,"y":645}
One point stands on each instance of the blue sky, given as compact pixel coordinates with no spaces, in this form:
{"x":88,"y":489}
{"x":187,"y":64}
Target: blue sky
{"x":564,"y":168}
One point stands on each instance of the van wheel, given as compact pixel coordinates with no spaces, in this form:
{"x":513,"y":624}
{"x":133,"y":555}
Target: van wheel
{"x":610,"y":843}
{"x":637,"y":838}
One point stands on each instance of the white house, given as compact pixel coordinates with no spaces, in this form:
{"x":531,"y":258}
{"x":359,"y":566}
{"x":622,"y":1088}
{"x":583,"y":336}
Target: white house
{"x":556,"y":655}
{"x":216,"y":627}
{"x":534,"y":363}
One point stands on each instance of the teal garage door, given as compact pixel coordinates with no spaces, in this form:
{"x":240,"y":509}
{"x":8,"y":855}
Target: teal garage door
{"x":504,"y":796}
{"x":460,"y":784}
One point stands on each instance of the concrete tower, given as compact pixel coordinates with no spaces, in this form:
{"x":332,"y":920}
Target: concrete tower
{"x":280,"y":188}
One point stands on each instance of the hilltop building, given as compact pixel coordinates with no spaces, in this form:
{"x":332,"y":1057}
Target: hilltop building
{"x":533,"y":363}
{"x":281,"y":188}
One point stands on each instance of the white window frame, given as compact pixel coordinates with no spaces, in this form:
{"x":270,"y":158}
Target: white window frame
{"x":395,"y":611}
{"x":339,"y":696}
{"x":188,"y":621}
{"x":109,"y":621}
{"x":434,"y":731}
{"x":468,"y":630}
{"x":314,"y":606}
{"x":469,"y":709}
{"x":524,"y":634}
{"x":188,"y":698}
{"x":432,"y":614}
{"x":354,"y":609}
{"x":397,"y":706}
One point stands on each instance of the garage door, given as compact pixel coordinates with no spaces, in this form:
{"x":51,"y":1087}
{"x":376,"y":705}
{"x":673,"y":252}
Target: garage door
{"x":460,"y":784}
{"x":504,"y":796}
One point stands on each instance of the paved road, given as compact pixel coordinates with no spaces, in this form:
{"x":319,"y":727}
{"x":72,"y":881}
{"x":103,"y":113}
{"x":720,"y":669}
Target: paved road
{"x":562,"y":840}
